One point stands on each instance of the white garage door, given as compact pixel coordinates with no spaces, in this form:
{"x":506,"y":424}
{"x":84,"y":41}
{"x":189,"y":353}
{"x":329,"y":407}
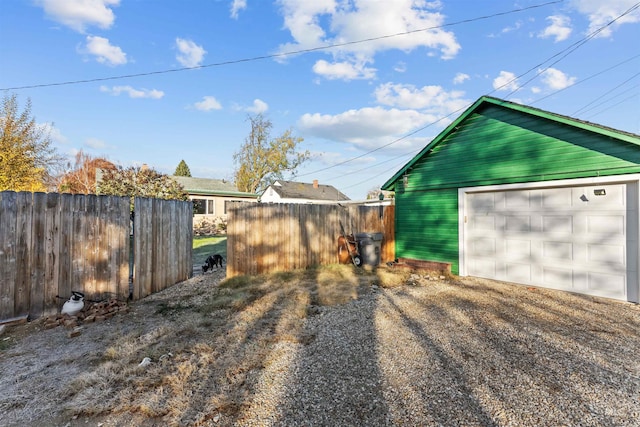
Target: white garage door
{"x":581,"y":239}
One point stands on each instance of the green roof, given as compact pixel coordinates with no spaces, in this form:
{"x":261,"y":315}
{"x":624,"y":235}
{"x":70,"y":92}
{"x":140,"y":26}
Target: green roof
{"x":210,"y":187}
{"x":483,"y":101}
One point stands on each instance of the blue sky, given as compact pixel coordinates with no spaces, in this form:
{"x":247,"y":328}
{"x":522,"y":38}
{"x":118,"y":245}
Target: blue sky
{"x":366,"y":83}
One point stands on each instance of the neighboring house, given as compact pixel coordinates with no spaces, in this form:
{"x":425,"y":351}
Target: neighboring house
{"x":211,"y":196}
{"x":299,"y":192}
{"x":514,"y":193}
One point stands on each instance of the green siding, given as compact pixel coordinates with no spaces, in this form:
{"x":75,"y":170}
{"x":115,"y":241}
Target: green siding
{"x":429,"y":224}
{"x":495,"y":144}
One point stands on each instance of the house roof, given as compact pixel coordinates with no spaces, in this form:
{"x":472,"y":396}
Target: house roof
{"x":210,"y":187}
{"x":302,"y":190}
{"x":484,"y":101}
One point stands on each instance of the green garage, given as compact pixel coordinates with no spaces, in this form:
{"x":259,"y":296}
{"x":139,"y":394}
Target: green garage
{"x":514,"y":193}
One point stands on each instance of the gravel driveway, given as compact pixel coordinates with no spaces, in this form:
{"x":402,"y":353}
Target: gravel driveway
{"x":459,"y":351}
{"x":473,"y":353}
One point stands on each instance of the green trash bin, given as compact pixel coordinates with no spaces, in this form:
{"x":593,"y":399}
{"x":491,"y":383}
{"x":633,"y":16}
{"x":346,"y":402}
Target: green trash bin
{"x":369,"y":245}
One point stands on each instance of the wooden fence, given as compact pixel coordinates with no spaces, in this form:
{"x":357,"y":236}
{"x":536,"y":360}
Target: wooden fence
{"x":263,"y":238}
{"x":51,"y":244}
{"x":163,"y":242}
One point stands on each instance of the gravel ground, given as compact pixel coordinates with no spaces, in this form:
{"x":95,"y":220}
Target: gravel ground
{"x":476,"y":354}
{"x":459,"y":351}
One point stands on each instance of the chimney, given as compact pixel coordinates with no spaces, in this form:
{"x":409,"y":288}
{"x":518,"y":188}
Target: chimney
{"x":315,"y":183}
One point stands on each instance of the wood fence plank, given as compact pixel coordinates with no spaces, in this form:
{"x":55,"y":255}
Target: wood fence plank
{"x":65,"y":273}
{"x":36,"y":295}
{"x":125,"y":255}
{"x":52,"y":252}
{"x":78,"y":244}
{"x":8,"y":218}
{"x":102,"y":259}
{"x":23,"y":253}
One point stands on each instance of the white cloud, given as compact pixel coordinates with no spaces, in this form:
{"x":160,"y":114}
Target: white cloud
{"x":54,"y":133}
{"x":79,"y":14}
{"x":600,"y":13}
{"x":322,"y":22}
{"x":208,"y":103}
{"x":505,"y":81}
{"x":259,"y":106}
{"x":237,"y":6}
{"x":460,"y":78}
{"x":104,"y":51}
{"x":343,"y":70}
{"x":133,"y":93}
{"x":400,"y":67}
{"x":428,"y":98}
{"x":190,"y":54}
{"x":556,"y":79}
{"x":96,"y":144}
{"x":366,"y":128}
{"x":560,"y":28}
{"x":514,"y":27}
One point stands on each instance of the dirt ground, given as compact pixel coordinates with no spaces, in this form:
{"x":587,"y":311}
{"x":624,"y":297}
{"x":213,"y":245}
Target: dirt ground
{"x":36,"y":365}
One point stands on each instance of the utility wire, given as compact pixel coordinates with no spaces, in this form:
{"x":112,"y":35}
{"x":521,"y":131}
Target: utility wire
{"x":282,"y":54}
{"x":584,"y":108}
{"x":611,"y":106}
{"x":569,"y":50}
{"x":585,"y":80}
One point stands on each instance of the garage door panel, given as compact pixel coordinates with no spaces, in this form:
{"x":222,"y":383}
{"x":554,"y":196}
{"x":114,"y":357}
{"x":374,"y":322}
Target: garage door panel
{"x":517,"y":249}
{"x":606,"y":284}
{"x":483,"y":247}
{"x":557,"y":197}
{"x":518,"y":199}
{"x":557,"y":224}
{"x":557,"y":278}
{"x":557,"y":250}
{"x":517,"y":272}
{"x":607,"y":254}
{"x":484,"y":202}
{"x":517,"y":223}
{"x":485,"y":222}
{"x":483,"y":267}
{"x":606,"y":224}
{"x":572,"y":238}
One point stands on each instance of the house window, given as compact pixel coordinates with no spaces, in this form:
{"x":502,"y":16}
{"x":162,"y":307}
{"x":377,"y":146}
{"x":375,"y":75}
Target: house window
{"x":204,"y":207}
{"x":199,"y":206}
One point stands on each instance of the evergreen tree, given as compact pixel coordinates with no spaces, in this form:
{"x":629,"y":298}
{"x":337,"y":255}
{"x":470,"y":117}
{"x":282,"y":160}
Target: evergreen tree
{"x":182,"y":169}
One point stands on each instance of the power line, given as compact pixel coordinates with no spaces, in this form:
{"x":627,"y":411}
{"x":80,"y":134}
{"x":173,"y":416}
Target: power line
{"x":584,"y":108}
{"x":568,"y":51}
{"x":282,"y":54}
{"x":616,"y":104}
{"x":585,"y":80}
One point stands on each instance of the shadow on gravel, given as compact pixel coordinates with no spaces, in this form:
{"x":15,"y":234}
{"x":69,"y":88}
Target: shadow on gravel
{"x":512,"y":355}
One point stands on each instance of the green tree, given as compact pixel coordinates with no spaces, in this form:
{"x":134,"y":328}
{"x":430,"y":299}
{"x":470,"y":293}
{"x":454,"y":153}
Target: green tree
{"x":182,"y":169}
{"x":82,"y":178}
{"x":27,"y":157}
{"x":262,"y":159}
{"x":140,"y":182}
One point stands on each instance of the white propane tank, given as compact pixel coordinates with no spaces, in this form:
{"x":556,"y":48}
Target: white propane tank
{"x":74,"y":305}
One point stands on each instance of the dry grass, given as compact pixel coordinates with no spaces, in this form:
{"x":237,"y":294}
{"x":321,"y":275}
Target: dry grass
{"x":207,"y":347}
